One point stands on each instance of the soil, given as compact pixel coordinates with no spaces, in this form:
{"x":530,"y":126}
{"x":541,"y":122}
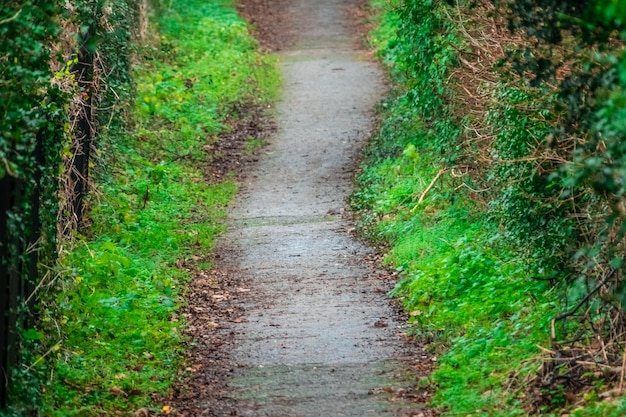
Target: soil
{"x":294,"y":318}
{"x":271,"y":23}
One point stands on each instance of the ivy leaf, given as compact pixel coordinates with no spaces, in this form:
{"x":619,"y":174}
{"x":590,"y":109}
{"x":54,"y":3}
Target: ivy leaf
{"x":32,"y":334}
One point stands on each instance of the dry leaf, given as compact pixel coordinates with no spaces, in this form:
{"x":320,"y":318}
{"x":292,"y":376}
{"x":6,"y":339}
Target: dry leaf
{"x":142,"y":412}
{"x":240,"y":320}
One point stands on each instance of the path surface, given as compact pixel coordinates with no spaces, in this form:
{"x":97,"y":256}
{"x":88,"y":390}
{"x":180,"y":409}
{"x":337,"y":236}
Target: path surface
{"x":320,"y":338}
{"x":314,"y":334}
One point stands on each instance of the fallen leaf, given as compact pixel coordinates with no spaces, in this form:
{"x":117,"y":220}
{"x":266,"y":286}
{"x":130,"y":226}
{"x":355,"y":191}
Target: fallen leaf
{"x":142,"y":412}
{"x":240,"y":320}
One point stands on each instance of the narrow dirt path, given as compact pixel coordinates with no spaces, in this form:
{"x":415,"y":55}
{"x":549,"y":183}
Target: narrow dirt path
{"x":309,"y":330}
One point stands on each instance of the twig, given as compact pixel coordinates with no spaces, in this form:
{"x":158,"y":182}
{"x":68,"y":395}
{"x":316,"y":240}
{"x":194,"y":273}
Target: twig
{"x":93,"y":255}
{"x":470,"y":95}
{"x":484,"y":190}
{"x":39,"y":285}
{"x":467,"y":64}
{"x":553,"y":335}
{"x":614,"y":369}
{"x":574,"y":359}
{"x":9,"y":19}
{"x":431,"y":185}
{"x":546,"y":350}
{"x":145,"y":197}
{"x":540,"y":158}
{"x":42,"y":357}
{"x":603,"y":349}
{"x":586,"y":298}
{"x":623,"y":371}
{"x":7,"y":168}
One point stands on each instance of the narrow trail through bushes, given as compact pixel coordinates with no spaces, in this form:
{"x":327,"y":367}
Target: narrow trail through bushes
{"x":293,"y":319}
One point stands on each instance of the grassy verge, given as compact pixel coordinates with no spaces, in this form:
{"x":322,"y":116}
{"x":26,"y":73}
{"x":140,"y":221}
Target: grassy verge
{"x":467,"y":295}
{"x":120,"y":339}
{"x":468,"y":288}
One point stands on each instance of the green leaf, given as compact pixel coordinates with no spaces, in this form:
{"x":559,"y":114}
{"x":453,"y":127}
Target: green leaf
{"x":32,"y":334}
{"x":616,"y":262}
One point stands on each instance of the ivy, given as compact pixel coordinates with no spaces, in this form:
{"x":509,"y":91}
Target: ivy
{"x":424,"y":51}
{"x":578,"y":54}
{"x":31,"y":133}
{"x":26,"y":27}
{"x":42,"y":96}
{"x":516,"y":113}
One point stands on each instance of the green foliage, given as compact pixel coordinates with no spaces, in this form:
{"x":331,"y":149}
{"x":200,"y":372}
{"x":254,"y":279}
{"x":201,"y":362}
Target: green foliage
{"x":32,"y":119}
{"x":35,"y":126}
{"x":579,"y":59}
{"x":464,"y":290}
{"x":193,"y":87}
{"x":422,"y":52}
{"x":27,"y":28}
{"x":31,"y":122}
{"x":527,"y":192}
{"x":483,"y":273}
{"x":123,"y":339}
{"x":586,"y":107}
{"x":110,"y":340}
{"x":114,"y":25}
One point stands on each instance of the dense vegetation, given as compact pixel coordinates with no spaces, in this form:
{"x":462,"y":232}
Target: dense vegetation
{"x":497,"y":181}
{"x":163,"y":79}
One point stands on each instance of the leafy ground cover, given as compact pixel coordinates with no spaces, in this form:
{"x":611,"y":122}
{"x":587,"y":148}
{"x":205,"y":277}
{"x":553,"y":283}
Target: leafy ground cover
{"x":478,"y":283}
{"x":118,"y":338}
{"x":466,"y":294}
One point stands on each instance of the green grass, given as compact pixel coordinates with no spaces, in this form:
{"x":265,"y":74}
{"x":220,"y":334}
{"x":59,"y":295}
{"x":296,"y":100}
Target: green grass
{"x":120,"y":339}
{"x":253,"y":144}
{"x":467,"y":295}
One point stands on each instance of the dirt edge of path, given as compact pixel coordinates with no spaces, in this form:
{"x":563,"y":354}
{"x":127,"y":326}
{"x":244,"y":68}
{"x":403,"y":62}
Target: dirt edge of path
{"x":269,"y":22}
{"x":211,"y":295}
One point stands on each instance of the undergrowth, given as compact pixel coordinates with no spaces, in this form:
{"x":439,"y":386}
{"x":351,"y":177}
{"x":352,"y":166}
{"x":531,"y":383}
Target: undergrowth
{"x":451,"y":187}
{"x":467,"y":295}
{"x":118,"y":340}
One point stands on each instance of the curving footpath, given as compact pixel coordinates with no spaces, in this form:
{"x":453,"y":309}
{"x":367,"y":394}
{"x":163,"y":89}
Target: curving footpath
{"x":318,"y":336}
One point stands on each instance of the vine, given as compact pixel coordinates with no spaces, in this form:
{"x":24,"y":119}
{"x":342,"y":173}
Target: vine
{"x":31,"y":131}
{"x":511,"y":111}
{"x":65,"y":81}
{"x":576,"y":57}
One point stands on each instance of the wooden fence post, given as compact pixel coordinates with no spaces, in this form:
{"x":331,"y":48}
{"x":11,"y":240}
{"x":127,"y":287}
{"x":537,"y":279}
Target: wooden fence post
{"x":19,"y":257}
{"x":84,"y":131}
{"x":12,"y":189}
{"x":5,"y":204}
